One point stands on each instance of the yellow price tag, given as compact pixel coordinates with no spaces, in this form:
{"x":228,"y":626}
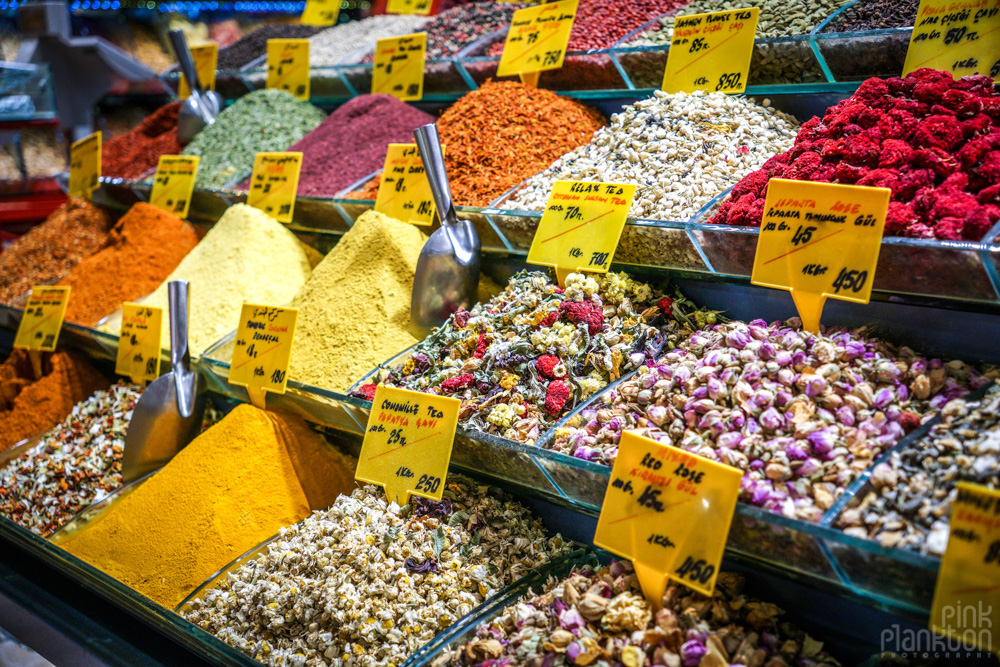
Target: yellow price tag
{"x":274,"y":184}
{"x":711,"y":52}
{"x":581,"y":225}
{"x":288,"y":66}
{"x":173,"y":183}
{"x":966,"y":603}
{"x":43,"y":317}
{"x":537,"y":38}
{"x":405,"y":192}
{"x":422,"y":7}
{"x":205,"y":57}
{"x":962,"y":38}
{"x":408,"y":441}
{"x":85,"y":166}
{"x":320,"y":12}
{"x":399,"y":66}
{"x":139,"y":342}
{"x":669,"y":511}
{"x":263,"y":347}
{"x":802,"y":247}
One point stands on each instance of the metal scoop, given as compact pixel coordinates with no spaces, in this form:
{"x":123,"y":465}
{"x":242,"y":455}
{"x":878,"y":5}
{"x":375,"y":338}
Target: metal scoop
{"x":202,"y":107}
{"x":447,"y":274}
{"x":170,"y":412}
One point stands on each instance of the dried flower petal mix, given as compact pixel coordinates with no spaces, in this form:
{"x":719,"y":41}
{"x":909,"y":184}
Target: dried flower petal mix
{"x":599,"y":617}
{"x":527,"y":357}
{"x":367,"y":582}
{"x":801,"y":415}
{"x":909,"y":504}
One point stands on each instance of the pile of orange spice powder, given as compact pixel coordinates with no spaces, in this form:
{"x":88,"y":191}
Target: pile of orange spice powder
{"x":502,"y":133}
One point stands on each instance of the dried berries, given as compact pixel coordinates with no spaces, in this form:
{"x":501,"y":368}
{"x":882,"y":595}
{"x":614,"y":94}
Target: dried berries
{"x":599,"y":617}
{"x":253,"y":45}
{"x":500,"y":134}
{"x":368,"y":582}
{"x":934,"y":141}
{"x":801,"y":415}
{"x":75,"y":464}
{"x":49,"y":251}
{"x":525,"y":358}
{"x":911,"y":494}
{"x":134,"y":154}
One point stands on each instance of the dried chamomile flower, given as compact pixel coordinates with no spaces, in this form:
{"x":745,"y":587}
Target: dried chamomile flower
{"x":600,"y":618}
{"x":801,"y":415}
{"x":368,"y":582}
{"x":526,"y":358}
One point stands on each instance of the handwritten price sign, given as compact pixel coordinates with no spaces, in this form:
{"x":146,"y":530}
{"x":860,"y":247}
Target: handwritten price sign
{"x":669,"y":511}
{"x":711,"y":52}
{"x":962,"y":38}
{"x":43,"y":317}
{"x":139,"y":342}
{"x":263,"y":347}
{"x":408,"y":442}
{"x":581,"y":226}
{"x":320,"y":12}
{"x":85,"y":166}
{"x":288,"y":66}
{"x":421,"y":7}
{"x":966,"y":604}
{"x":274,"y":184}
{"x":405,"y":192}
{"x":820,"y":240}
{"x":174,"y":183}
{"x":205,"y":57}
{"x":399,"y":66}
{"x":537,"y":38}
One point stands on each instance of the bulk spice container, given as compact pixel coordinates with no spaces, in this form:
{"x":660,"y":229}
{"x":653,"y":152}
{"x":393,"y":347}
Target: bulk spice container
{"x":850,"y":442}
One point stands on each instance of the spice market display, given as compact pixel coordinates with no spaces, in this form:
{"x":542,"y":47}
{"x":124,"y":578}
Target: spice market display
{"x":846,"y":448}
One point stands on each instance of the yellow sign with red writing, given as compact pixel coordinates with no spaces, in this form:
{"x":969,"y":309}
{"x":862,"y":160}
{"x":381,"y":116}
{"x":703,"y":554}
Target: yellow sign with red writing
{"x":537,"y":38}
{"x":966,"y":605}
{"x":581,"y":226}
{"x":138,"y":354}
{"x":404,"y":192}
{"x":421,"y":7}
{"x":288,"y":66}
{"x":408,"y":442}
{"x":399,"y":66}
{"x":205,"y":57}
{"x":959,"y":37}
{"x":43,"y":317}
{"x":262,"y":349}
{"x":274,"y":184}
{"x":320,"y":12}
{"x":820,"y":240}
{"x":711,"y":52}
{"x":173,"y":183}
{"x":85,"y":166}
{"x":669,"y":511}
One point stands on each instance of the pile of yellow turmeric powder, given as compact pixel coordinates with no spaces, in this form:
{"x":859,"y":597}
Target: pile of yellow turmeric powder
{"x":233,"y":487}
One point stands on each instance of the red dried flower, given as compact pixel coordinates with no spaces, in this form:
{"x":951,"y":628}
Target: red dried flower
{"x":556,"y":396}
{"x":480,"y":347}
{"x":461,"y":381}
{"x":587,"y":312}
{"x":461,"y":318}
{"x":549,"y":320}
{"x":545,"y":364}
{"x":942,"y":132}
{"x":666,"y":305}
{"x":368,"y":390}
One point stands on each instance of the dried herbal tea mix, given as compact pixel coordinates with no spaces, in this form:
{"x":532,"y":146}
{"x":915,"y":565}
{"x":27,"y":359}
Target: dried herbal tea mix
{"x":368,"y":582}
{"x":599,"y":617}
{"x":801,"y":415}
{"x":532,"y":353}
{"x":75,"y":464}
{"x":909,"y":504}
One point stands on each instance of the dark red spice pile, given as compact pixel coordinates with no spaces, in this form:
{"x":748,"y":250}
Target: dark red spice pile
{"x":135,"y":153}
{"x":934,"y":141}
{"x":352,"y":142}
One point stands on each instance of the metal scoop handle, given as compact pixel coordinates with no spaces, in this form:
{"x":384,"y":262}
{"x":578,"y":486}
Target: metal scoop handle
{"x":432,"y":157}
{"x":180,"y":354}
{"x":184,"y":59}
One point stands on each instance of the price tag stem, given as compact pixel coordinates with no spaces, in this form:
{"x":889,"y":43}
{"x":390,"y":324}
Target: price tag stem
{"x":530,"y":78}
{"x":561,"y":274}
{"x":35,"y":356}
{"x":810,"y":307}
{"x":653,"y":582}
{"x":258,"y":396}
